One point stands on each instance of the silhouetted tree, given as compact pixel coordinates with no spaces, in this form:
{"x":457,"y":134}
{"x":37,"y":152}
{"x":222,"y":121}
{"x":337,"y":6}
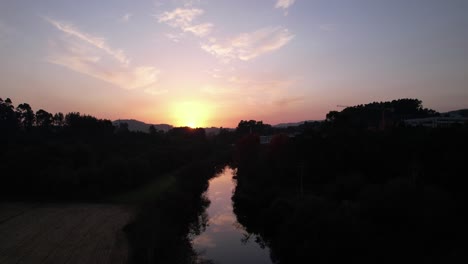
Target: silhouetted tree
{"x":25,"y":116}
{"x":152,"y":130}
{"x":332,"y":116}
{"x":8,"y":121}
{"x":44,"y":119}
{"x":123,"y":128}
{"x":87,"y":125}
{"x":379,"y":114}
{"x":252,"y":126}
{"x":187,"y":133}
{"x":58,"y":119}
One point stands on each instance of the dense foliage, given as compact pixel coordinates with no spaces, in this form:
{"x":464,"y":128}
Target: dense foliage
{"x":164,"y":226}
{"x":360,"y":186}
{"x":335,"y":194}
{"x":379,"y":115}
{"x":79,"y":156}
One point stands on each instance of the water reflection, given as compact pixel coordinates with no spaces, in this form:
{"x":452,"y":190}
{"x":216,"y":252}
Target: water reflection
{"x":222,"y":239}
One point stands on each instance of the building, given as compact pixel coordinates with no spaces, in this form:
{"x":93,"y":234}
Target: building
{"x":438,"y":121}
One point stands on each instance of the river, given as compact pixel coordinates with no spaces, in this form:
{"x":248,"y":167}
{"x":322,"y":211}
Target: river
{"x":222,"y":241}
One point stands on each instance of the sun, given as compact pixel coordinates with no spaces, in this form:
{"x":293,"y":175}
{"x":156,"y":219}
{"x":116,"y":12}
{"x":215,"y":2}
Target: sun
{"x":192,"y":124}
{"x":191,"y":114}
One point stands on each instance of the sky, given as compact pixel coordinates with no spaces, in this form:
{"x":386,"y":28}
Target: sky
{"x":209,"y":63}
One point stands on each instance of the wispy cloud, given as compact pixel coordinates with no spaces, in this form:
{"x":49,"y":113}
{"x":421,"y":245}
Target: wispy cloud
{"x":247,"y":46}
{"x":98,"y":42}
{"x":127,"y":17}
{"x":200,"y":30}
{"x":287,"y":101}
{"x":124,"y":77}
{"x":189,"y":3}
{"x":271,"y":91}
{"x":93,"y":56}
{"x":285,"y":4}
{"x":173,"y":37}
{"x":183,"y":19}
{"x":180,"y":17}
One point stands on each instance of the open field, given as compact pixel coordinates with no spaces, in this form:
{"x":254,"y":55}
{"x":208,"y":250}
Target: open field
{"x":63,"y":233}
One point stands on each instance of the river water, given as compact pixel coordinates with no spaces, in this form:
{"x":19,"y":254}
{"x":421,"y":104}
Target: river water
{"x":222,"y":242}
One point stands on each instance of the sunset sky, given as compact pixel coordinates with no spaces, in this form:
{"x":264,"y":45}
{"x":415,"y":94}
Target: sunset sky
{"x":215,"y":62}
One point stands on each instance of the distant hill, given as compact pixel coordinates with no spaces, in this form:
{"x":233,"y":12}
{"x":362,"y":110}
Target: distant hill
{"x":135,"y":125}
{"x":282,"y":125}
{"x":456,"y":113}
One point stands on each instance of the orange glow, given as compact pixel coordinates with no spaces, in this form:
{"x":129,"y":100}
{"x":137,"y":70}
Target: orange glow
{"x":191,"y":114}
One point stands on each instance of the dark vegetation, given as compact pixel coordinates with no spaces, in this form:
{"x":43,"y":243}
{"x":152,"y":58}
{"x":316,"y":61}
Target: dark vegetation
{"x":75,"y":156}
{"x":164,"y":226}
{"x":356,"y":188}
{"x":360,"y":186}
{"x":69,"y":157}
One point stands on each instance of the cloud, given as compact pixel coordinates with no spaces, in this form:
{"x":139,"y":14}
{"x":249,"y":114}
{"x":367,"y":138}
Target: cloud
{"x":189,"y":3}
{"x":91,"y":55}
{"x":200,"y":30}
{"x":126,"y":17}
{"x":263,"y":91}
{"x":183,"y":18}
{"x":98,"y":42}
{"x":247,"y":46}
{"x":173,"y":37}
{"x":124,"y":77}
{"x":287,"y":101}
{"x":180,"y":17}
{"x":285,"y":4}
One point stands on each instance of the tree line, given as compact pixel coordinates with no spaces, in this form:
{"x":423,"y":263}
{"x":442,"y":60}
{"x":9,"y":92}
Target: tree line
{"x":343,"y":191}
{"x":76,"y":156}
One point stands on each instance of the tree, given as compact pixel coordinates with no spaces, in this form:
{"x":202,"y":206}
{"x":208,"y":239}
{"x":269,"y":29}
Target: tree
{"x":379,"y":113}
{"x":332,"y":116}
{"x":25,"y":116}
{"x":8,"y":121}
{"x":123,"y":128}
{"x":43,"y":118}
{"x":152,"y":130}
{"x":252,"y":126}
{"x":58,"y":119}
{"x":79,"y":124}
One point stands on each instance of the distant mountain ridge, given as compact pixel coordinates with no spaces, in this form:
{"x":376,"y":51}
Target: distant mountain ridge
{"x":457,"y":113}
{"x":135,"y":125}
{"x":282,"y":125}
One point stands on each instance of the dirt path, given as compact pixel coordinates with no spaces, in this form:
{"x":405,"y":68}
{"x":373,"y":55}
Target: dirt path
{"x":63,"y":233}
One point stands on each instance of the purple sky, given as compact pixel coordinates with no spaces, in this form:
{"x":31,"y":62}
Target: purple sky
{"x":214,"y":62}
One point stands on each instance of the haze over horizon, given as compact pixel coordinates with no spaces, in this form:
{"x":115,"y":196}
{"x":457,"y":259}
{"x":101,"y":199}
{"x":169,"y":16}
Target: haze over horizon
{"x":212,"y":63}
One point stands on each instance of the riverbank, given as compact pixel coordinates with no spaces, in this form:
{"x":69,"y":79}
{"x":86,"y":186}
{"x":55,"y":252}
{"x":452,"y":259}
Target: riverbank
{"x":161,"y":230}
